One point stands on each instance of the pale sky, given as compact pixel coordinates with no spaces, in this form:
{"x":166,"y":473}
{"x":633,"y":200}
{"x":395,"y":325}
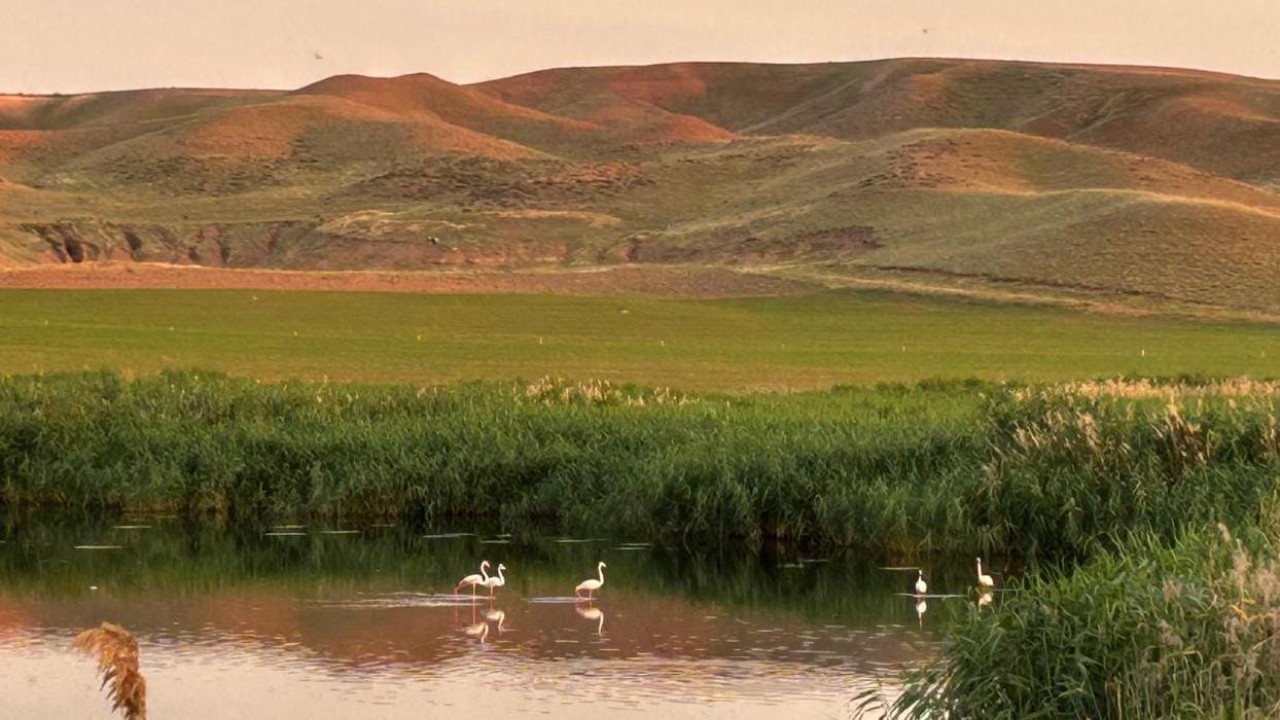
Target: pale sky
{"x":82,"y":45}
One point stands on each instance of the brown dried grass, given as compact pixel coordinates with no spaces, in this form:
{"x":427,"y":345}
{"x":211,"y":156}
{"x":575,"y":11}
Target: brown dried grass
{"x":117,"y":653}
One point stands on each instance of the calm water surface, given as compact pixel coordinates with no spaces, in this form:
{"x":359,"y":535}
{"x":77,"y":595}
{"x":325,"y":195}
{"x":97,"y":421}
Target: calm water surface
{"x":310,"y":622}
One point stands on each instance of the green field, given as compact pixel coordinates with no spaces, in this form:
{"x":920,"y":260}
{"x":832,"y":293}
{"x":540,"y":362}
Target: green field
{"x":736,"y":344}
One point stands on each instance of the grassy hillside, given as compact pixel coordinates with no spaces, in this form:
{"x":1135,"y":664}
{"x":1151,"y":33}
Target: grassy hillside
{"x":1147,"y":184}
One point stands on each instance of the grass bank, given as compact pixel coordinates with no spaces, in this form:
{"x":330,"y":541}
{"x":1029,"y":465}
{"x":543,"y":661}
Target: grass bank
{"x":1048,"y":472}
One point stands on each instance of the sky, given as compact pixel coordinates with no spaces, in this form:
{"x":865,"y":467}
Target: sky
{"x":83,"y":45}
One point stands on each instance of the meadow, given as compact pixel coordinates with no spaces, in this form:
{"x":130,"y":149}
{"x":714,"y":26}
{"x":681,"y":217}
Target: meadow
{"x":777,"y":344}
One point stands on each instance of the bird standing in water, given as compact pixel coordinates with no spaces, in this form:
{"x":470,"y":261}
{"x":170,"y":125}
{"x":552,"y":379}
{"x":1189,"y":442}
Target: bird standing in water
{"x":495,"y":582}
{"x":591,"y":585}
{"x":475,"y":579}
{"x":921,"y":586}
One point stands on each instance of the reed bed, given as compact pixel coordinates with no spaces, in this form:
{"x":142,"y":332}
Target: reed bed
{"x":1045,"y":472}
{"x":1150,"y":631}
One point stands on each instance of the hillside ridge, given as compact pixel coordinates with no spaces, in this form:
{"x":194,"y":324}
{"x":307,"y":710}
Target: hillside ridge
{"x":1160,"y":183}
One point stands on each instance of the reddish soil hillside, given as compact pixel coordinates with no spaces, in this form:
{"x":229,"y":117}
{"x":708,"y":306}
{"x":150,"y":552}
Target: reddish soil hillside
{"x":426,"y":97}
{"x":1225,"y":124}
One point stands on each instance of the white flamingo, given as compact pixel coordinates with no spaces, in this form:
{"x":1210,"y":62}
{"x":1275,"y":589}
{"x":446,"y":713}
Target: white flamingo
{"x":496,"y":581}
{"x":474,"y":580}
{"x":591,"y":585}
{"x":921,"y":586}
{"x":985,"y":583}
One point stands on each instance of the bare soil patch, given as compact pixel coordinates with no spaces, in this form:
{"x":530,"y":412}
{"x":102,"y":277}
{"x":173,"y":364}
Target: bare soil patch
{"x":660,"y":281}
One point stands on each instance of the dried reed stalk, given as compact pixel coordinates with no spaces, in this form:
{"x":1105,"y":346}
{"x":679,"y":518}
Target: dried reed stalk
{"x":117,"y":653}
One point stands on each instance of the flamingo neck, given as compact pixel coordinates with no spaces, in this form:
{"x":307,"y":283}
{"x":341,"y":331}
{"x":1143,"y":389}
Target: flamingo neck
{"x":600,"y":570}
{"x":484,"y":571}
{"x":504,"y":580}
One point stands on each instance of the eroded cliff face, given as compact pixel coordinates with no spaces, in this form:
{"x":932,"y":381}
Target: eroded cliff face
{"x":357,"y":243}
{"x":88,"y":241}
{"x":282,"y":245}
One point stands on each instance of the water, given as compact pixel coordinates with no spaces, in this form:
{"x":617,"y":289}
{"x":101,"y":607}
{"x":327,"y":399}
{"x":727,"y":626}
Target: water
{"x":343,"y":622}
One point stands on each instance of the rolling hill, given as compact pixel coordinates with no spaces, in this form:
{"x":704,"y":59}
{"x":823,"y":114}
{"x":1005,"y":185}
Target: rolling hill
{"x":1157,"y":186}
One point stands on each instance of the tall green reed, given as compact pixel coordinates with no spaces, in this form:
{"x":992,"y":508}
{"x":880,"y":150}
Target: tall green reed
{"x":1149,"y":631}
{"x":1041,"y":471}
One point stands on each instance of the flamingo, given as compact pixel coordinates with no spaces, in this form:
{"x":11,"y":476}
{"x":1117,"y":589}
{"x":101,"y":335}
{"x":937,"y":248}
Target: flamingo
{"x":591,"y":584}
{"x":921,"y":608}
{"x":985,"y":583}
{"x":474,"y":580}
{"x":495,"y":582}
{"x":921,"y":586}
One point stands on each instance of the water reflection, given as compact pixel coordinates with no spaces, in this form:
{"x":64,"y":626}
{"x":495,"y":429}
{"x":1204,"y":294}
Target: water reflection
{"x":592,"y":613}
{"x":293,"y":621}
{"x":478,"y":630}
{"x":496,"y":616}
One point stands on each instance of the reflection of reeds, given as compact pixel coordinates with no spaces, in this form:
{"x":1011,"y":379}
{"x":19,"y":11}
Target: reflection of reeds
{"x":117,"y":653}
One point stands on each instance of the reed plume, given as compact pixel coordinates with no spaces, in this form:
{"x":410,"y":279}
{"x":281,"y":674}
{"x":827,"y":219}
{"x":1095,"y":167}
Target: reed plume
{"x":117,"y":653}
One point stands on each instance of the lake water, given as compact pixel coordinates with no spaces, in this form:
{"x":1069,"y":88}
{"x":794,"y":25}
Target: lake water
{"x":359,"y":622}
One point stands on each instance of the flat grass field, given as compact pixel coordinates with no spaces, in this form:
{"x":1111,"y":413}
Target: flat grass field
{"x":738,"y":345}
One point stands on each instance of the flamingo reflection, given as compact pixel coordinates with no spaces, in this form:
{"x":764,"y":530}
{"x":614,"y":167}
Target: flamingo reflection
{"x":592,"y":613}
{"x":498,"y":616}
{"x":478,"y":630}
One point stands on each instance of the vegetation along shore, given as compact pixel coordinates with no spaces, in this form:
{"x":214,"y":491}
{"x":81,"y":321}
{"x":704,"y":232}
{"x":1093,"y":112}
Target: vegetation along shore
{"x":1044,"y":472}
